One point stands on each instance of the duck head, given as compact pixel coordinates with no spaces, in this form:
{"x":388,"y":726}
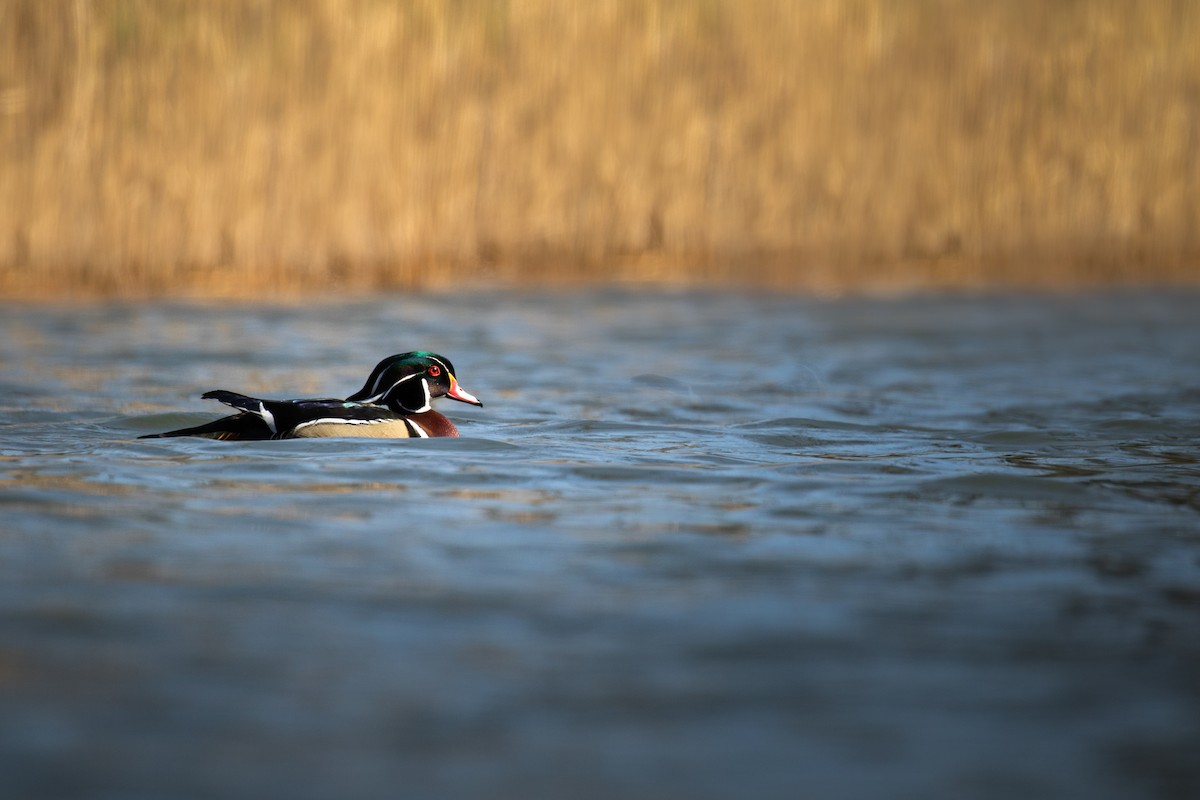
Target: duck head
{"x":409,"y":382}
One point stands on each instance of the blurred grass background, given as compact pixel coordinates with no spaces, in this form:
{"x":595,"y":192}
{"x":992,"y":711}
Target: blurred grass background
{"x":240,"y":148}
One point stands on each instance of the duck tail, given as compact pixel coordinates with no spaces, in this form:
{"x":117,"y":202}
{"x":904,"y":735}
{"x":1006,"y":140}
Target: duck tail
{"x":236,"y":427}
{"x":254,"y":421}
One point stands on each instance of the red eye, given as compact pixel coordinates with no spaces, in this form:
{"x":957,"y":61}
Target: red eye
{"x":434,"y":370}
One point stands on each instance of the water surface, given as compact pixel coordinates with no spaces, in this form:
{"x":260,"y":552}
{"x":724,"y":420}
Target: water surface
{"x":694,"y":545}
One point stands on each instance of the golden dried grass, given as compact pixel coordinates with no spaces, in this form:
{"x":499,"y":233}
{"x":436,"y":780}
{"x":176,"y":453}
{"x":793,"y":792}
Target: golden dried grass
{"x":238,"y":148}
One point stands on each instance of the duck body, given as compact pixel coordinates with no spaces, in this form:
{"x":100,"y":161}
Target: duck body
{"x":306,"y":419}
{"x":395,"y":403}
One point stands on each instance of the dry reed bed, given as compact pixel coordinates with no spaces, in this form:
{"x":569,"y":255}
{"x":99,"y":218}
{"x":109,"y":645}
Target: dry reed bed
{"x":240,"y":148}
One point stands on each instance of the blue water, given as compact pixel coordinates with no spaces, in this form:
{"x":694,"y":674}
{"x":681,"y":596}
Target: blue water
{"x":694,"y":545}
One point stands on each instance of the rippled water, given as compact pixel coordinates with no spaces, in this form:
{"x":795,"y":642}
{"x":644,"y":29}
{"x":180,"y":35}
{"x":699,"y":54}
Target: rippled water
{"x":694,"y":545}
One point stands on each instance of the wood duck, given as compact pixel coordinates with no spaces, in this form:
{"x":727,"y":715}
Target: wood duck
{"x":394,"y":403}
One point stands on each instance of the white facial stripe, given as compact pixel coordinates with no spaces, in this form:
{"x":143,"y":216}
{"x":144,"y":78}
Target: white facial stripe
{"x":428,"y":400}
{"x":267,"y":416}
{"x":375,"y":391}
{"x":378,"y":395}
